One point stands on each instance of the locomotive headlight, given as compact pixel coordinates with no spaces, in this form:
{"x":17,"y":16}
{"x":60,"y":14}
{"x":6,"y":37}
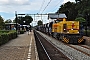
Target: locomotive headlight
{"x":64,"y":29}
{"x":71,"y":29}
{"x":77,"y":32}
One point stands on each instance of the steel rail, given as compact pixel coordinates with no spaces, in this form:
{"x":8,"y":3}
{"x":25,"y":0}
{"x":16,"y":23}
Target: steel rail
{"x":43,"y":48}
{"x":85,"y":47}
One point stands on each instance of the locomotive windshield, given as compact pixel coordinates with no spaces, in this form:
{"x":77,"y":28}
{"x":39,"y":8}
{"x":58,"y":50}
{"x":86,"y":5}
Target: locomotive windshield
{"x":57,"y":21}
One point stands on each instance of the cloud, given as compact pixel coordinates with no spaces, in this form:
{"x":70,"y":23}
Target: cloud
{"x":28,"y":6}
{"x":68,"y":0}
{"x":10,"y":6}
{"x":14,"y":2}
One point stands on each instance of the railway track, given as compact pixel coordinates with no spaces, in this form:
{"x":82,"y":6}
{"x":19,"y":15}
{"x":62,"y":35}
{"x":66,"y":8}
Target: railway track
{"x":85,"y":46}
{"x":82,"y":49}
{"x":75,"y":52}
{"x":50,"y":52}
{"x":40,"y":48}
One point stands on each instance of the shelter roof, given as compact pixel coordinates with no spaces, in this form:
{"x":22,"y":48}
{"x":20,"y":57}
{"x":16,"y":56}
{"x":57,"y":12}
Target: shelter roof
{"x":56,"y":16}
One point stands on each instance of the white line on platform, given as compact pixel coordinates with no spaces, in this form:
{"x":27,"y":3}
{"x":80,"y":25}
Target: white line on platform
{"x":29,"y":53}
{"x":28,"y":59}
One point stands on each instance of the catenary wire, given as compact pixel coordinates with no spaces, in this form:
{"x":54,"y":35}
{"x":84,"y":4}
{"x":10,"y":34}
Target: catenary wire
{"x":56,"y":5}
{"x":46,"y":6}
{"x":41,"y":6}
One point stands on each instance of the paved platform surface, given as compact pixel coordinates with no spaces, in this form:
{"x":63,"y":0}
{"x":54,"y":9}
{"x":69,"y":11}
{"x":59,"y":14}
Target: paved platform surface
{"x":21,"y":48}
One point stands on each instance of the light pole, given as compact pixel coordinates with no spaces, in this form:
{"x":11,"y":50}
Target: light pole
{"x":24,"y":25}
{"x":86,"y":23}
{"x":16,"y":22}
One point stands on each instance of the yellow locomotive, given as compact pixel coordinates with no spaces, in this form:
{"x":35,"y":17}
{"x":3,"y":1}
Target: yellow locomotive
{"x":67,"y":31}
{"x":61,"y":29}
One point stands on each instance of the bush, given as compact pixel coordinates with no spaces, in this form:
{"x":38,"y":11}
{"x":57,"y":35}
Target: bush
{"x":4,"y":31}
{"x":6,"y":36}
{"x":21,"y":32}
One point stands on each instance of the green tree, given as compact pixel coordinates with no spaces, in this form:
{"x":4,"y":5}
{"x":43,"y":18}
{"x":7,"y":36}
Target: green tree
{"x":8,"y":21}
{"x":81,"y":20}
{"x":13,"y":21}
{"x":28,"y":19}
{"x":40,"y":23}
{"x":74,"y":10}
{"x":69,"y":9}
{"x":1,"y":23}
{"x":20,"y":20}
{"x":83,"y":8}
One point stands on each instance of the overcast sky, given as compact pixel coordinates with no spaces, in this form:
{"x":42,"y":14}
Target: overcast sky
{"x":8,"y":7}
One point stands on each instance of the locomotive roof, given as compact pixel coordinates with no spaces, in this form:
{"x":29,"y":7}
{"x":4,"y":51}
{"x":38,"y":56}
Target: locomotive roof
{"x":56,"y":16}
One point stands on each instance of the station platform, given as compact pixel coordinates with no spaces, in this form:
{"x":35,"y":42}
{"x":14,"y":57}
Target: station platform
{"x":21,"y":48}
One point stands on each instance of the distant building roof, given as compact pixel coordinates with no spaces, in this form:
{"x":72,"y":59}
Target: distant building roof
{"x":11,"y":23}
{"x":55,"y":16}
